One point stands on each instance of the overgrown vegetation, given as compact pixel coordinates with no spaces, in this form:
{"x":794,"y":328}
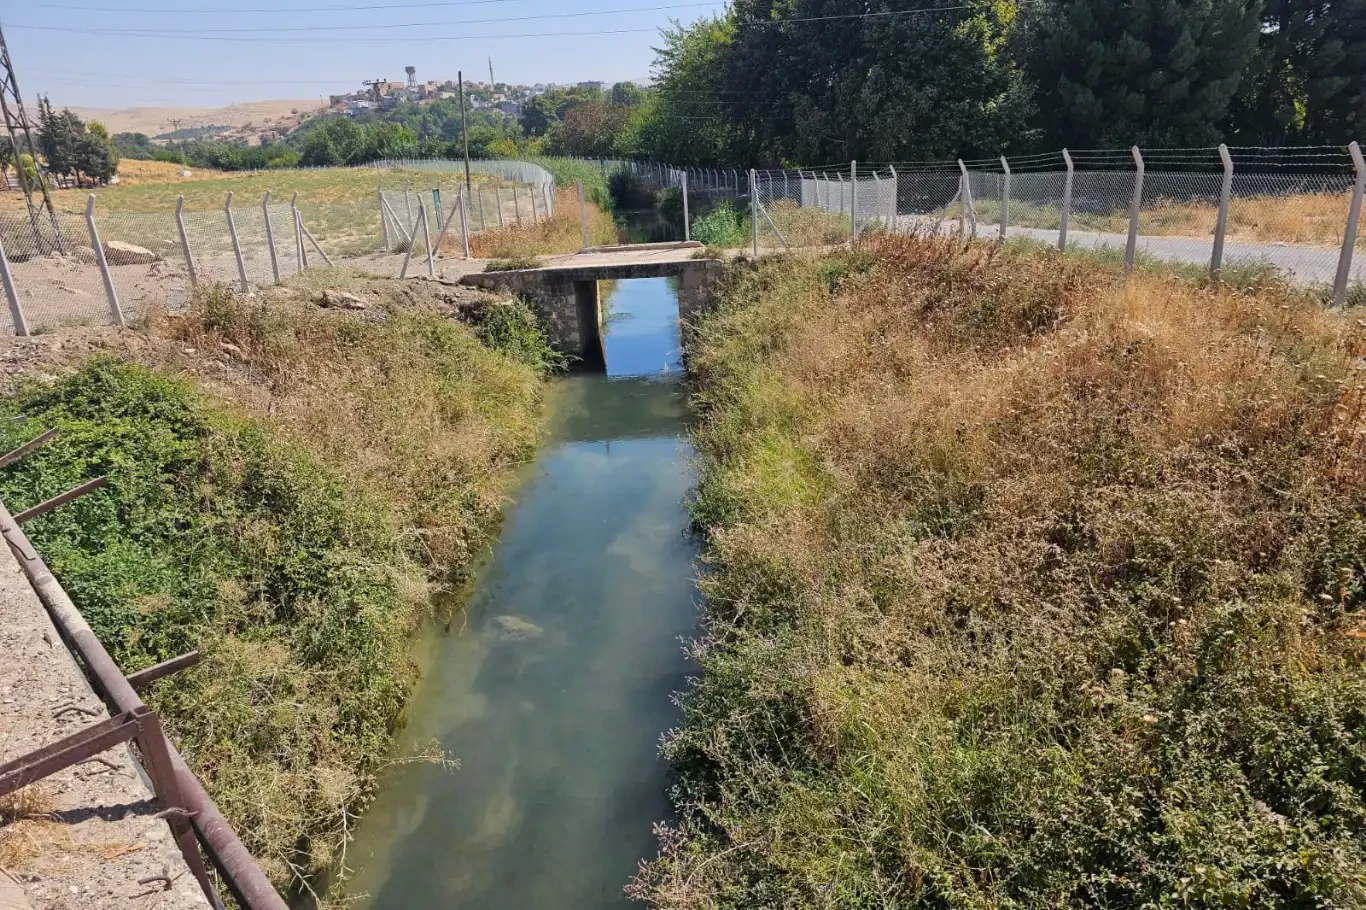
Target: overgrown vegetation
{"x":561,"y":233}
{"x":510,"y":265}
{"x":291,"y":524}
{"x":1029,"y":586}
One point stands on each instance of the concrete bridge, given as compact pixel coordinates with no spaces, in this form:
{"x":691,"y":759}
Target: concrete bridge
{"x":563,"y":290}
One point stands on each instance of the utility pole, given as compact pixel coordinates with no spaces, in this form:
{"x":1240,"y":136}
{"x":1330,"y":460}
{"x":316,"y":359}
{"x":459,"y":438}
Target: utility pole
{"x":175,"y":128}
{"x":16,"y":122}
{"x":464,"y":131}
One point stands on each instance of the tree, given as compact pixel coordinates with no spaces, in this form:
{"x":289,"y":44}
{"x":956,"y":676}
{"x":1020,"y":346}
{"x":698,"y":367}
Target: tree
{"x":628,"y":94}
{"x":96,"y":156}
{"x":1145,"y":72}
{"x":589,"y":130}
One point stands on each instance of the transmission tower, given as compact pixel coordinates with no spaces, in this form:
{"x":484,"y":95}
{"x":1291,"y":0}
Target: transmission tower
{"x":16,"y":122}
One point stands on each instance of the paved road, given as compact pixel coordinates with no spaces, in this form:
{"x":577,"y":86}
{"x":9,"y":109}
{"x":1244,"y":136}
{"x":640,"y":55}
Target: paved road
{"x":1310,"y":265}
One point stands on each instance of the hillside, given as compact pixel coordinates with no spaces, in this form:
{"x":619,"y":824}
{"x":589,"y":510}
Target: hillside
{"x":154,"y":120}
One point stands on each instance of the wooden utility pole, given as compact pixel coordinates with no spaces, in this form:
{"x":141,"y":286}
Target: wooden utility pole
{"x":464,"y":130}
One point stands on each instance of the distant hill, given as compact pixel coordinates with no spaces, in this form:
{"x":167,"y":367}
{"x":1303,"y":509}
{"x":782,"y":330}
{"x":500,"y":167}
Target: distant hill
{"x":155,"y":120}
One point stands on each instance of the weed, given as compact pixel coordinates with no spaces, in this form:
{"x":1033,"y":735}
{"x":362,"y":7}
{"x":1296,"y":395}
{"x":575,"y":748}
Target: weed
{"x":291,"y":527}
{"x":721,"y":227}
{"x":1030,"y":585}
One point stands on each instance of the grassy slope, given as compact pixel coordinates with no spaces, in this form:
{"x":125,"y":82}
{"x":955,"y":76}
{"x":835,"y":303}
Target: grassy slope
{"x":1030,"y":588}
{"x":291,"y":530}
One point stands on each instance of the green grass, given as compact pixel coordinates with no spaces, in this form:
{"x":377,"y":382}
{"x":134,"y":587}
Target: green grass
{"x":1029,"y":585}
{"x":293,"y":532}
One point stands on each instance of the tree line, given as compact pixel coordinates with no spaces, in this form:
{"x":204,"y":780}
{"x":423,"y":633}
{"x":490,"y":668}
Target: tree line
{"x":74,"y":151}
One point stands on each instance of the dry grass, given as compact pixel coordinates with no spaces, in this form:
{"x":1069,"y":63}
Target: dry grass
{"x":1031,"y":587}
{"x":1311,"y":219}
{"x":27,"y":829}
{"x":560,"y":234}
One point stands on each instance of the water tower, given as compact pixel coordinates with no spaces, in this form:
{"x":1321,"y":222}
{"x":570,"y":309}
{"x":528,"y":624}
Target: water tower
{"x":412,"y":80}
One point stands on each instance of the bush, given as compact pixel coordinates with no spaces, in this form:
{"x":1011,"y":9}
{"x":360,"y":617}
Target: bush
{"x":1029,"y":585}
{"x":514,"y":264}
{"x":721,"y":227}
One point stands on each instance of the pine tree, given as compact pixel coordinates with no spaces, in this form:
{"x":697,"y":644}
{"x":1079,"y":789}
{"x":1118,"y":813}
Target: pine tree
{"x":1113,"y":73}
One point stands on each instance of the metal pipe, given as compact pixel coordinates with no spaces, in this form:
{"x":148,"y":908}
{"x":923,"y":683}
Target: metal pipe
{"x":687,"y":226}
{"x":853,"y":202}
{"x":463,"y":202}
{"x":754,"y":210}
{"x":115,"y":310}
{"x":240,"y":872}
{"x":963,"y":194}
{"x":61,"y":499}
{"x":583,"y":217}
{"x":185,"y":240}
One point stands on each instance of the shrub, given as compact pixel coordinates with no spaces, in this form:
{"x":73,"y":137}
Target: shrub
{"x":721,"y":227}
{"x":513,"y":264}
{"x":1029,"y":586}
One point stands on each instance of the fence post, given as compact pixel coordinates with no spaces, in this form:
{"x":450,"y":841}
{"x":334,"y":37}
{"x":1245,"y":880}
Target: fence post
{"x":516,"y":208}
{"x":427,"y":239}
{"x":1349,"y":238}
{"x":299,"y":257}
{"x":185,"y":240}
{"x":754,"y":210}
{"x":236,"y":247}
{"x":16,"y":310}
{"x":383,"y":216}
{"x":408,"y":200}
{"x":963,"y":194}
{"x":583,"y":217}
{"x":1066,"y":201}
{"x":270,"y":237}
{"x":1134,"y":207}
{"x":464,"y":222}
{"x":1216,"y":262}
{"x":891,"y":203}
{"x":114,"y":309}
{"x":483,"y":222}
{"x":687,"y":226}
{"x":498,"y":199}
{"x":853,"y":202}
{"x":1005,"y":198}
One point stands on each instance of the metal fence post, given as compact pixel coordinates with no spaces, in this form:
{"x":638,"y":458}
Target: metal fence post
{"x":1005,"y":198}
{"x":114,"y":309}
{"x":1216,"y":262}
{"x":687,"y":226}
{"x":516,"y":208}
{"x":236,"y":247}
{"x":16,"y":309}
{"x":1066,"y":201}
{"x":483,"y":221}
{"x":270,"y":237}
{"x":298,"y":234}
{"x":383,"y":216}
{"x":754,"y":210}
{"x":1349,"y":238}
{"x":498,"y":200}
{"x":583,"y":217}
{"x":185,"y":240}
{"x":891,"y":203}
{"x":963,"y":192}
{"x":1134,"y":207}
{"x":427,"y":239}
{"x":408,"y":200}
{"x":853,"y":202}
{"x":464,"y":221}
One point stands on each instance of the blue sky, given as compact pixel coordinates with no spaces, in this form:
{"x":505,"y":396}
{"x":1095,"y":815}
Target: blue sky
{"x":197,"y":53}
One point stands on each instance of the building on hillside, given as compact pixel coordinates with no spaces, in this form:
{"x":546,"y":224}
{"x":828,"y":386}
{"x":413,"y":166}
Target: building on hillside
{"x":511,"y":108}
{"x":590,"y":85}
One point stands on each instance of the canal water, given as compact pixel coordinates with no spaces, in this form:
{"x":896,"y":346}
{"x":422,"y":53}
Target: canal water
{"x":553,"y":687}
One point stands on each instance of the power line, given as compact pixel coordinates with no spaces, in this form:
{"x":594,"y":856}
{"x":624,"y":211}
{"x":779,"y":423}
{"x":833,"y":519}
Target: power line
{"x":179,"y":32}
{"x":233,"y":11}
{"x":152,"y":33}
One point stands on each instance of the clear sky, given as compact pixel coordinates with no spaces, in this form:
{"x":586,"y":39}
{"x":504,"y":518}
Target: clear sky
{"x":200,"y":53}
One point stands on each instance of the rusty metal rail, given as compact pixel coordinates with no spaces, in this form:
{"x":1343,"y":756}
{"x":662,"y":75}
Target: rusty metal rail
{"x":188,"y":809}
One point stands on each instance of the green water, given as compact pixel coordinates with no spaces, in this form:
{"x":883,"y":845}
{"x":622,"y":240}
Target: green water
{"x":556,"y":690}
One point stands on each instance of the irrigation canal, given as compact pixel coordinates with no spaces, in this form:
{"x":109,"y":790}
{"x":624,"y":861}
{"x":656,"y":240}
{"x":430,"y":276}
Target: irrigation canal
{"x":553,"y":688}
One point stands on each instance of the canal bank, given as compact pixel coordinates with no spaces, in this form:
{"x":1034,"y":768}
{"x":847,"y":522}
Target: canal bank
{"x":553,"y":687}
